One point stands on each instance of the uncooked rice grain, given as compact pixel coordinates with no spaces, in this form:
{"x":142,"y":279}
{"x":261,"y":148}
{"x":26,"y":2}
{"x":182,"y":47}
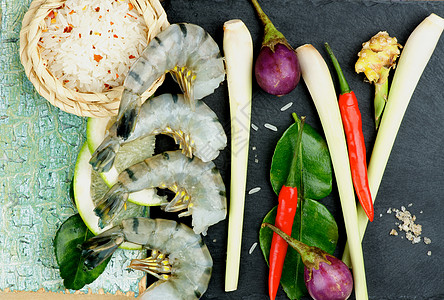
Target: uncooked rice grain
{"x":90,"y":46}
{"x":252,"y":248}
{"x":270,"y":126}
{"x":254,"y":190}
{"x":286,"y":106}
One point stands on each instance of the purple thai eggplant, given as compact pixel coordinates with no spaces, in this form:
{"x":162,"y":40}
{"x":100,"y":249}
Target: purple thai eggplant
{"x":326,"y":277}
{"x":277,"y":67}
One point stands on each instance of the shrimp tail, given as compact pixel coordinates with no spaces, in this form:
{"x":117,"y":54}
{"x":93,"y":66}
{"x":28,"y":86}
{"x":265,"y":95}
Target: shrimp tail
{"x":111,"y":204}
{"x":99,"y":248}
{"x":128,"y":111}
{"x":103,"y":157}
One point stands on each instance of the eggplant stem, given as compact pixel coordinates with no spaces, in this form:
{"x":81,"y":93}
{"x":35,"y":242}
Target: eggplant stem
{"x":271,"y":35}
{"x":311,"y":256}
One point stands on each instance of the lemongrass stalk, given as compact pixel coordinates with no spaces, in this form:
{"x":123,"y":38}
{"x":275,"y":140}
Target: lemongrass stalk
{"x":238,"y":51}
{"x":414,"y":58}
{"x":317,"y":77}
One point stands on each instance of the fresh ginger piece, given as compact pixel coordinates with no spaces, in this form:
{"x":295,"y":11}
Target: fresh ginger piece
{"x":380,"y":52}
{"x":377,"y":57}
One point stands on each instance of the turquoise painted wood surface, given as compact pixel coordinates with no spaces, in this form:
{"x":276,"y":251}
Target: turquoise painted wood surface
{"x":38,"y":149}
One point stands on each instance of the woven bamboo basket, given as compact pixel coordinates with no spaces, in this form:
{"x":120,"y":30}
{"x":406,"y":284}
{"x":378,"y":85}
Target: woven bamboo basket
{"x":81,"y":104}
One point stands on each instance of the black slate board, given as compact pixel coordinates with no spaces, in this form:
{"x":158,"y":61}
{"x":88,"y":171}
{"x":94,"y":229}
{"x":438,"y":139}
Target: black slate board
{"x":395,"y":268}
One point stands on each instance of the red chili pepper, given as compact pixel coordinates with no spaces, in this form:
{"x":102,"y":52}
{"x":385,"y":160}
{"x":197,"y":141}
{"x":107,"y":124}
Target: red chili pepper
{"x":288,"y":202}
{"x":351,"y":119}
{"x":288,"y":197}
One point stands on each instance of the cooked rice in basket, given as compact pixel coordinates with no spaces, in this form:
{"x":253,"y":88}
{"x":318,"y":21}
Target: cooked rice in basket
{"x":90,"y":45}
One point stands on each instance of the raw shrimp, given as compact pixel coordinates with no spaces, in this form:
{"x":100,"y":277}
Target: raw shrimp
{"x":179,"y":258}
{"x":185,"y":50}
{"x":196,"y":131}
{"x":199,"y":188}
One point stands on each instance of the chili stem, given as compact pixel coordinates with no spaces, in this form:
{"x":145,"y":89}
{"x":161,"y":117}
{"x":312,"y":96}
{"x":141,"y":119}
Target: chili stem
{"x":345,"y":88}
{"x":291,"y":179}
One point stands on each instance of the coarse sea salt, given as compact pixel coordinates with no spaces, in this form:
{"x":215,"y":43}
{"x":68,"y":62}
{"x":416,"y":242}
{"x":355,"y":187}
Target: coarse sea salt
{"x":407,"y":224}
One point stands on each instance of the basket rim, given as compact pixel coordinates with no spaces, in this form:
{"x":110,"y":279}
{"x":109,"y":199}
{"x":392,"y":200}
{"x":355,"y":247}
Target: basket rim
{"x":89,"y":104}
